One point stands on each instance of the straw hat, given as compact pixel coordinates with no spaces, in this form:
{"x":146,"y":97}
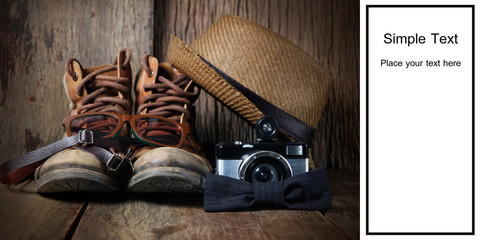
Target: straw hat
{"x":256,"y":72}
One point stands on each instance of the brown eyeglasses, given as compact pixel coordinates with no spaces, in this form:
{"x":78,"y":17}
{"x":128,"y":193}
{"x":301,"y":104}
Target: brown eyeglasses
{"x":149,"y":129}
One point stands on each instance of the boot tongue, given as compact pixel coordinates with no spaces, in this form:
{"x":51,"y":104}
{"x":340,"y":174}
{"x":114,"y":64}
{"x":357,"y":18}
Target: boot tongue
{"x":97,"y":83}
{"x":158,"y":96}
{"x":103,"y":79}
{"x":166,"y":70}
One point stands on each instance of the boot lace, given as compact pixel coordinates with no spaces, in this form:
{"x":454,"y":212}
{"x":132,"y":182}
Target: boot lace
{"x":97,"y":84}
{"x":169,"y":99}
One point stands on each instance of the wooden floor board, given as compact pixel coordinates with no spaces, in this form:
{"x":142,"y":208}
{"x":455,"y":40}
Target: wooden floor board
{"x":183,"y":217}
{"x":346,"y":202}
{"x":24,"y":214}
{"x":175,"y":216}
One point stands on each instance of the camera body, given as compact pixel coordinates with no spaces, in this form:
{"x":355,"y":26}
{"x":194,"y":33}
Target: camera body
{"x":261,"y":162}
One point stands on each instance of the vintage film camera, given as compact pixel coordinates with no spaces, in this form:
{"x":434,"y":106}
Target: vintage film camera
{"x":262,"y":161}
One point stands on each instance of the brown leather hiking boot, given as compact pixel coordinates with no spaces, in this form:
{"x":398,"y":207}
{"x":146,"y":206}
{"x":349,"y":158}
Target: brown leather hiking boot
{"x":105,"y":88}
{"x":163,"y":91}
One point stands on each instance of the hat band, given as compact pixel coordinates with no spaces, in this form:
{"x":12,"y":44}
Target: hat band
{"x":290,"y":124}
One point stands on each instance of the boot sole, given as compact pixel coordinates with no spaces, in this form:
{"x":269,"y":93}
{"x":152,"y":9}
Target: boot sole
{"x":75,"y":180}
{"x":167,"y":179}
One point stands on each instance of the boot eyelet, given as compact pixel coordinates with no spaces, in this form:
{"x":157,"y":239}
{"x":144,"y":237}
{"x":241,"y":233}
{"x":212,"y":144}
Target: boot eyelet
{"x":75,"y":78}
{"x":150,"y":73}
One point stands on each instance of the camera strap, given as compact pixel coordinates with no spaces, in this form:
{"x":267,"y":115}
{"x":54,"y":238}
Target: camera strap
{"x":17,"y":169}
{"x":292,"y":126}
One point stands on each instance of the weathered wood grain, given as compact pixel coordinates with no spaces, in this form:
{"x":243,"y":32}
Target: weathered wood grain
{"x":172,"y":216}
{"x":326,"y":30}
{"x":40,"y":35}
{"x":182,"y":217}
{"x":28,"y":215}
{"x":345,"y":213}
{"x":37,"y":38}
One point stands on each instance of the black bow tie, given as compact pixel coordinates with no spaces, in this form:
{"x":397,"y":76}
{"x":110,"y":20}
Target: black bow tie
{"x":307,"y":191}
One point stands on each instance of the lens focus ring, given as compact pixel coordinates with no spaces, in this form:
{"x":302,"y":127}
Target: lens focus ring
{"x":264,"y":166}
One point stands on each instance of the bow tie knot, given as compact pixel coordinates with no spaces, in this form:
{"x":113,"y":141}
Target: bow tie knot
{"x":270,"y":193}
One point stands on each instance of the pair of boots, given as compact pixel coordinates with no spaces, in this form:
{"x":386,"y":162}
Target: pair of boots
{"x":165,"y":157}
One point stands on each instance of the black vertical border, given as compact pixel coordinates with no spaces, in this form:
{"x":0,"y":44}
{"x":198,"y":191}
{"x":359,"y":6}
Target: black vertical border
{"x":367,"y":122}
{"x":473,"y":120}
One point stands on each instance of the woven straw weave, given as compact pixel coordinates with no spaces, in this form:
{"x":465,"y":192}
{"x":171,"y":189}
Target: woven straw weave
{"x":261,"y":60}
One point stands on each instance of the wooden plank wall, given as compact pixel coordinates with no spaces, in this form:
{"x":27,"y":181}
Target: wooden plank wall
{"x":326,"y":30}
{"x":38,"y":36}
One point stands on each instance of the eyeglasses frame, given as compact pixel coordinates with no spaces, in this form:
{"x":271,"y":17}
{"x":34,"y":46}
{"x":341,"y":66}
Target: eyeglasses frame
{"x":130,"y":119}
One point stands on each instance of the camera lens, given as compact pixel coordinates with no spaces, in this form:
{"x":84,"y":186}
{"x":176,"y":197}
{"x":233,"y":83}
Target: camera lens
{"x":264,"y":166}
{"x":265,"y":172}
